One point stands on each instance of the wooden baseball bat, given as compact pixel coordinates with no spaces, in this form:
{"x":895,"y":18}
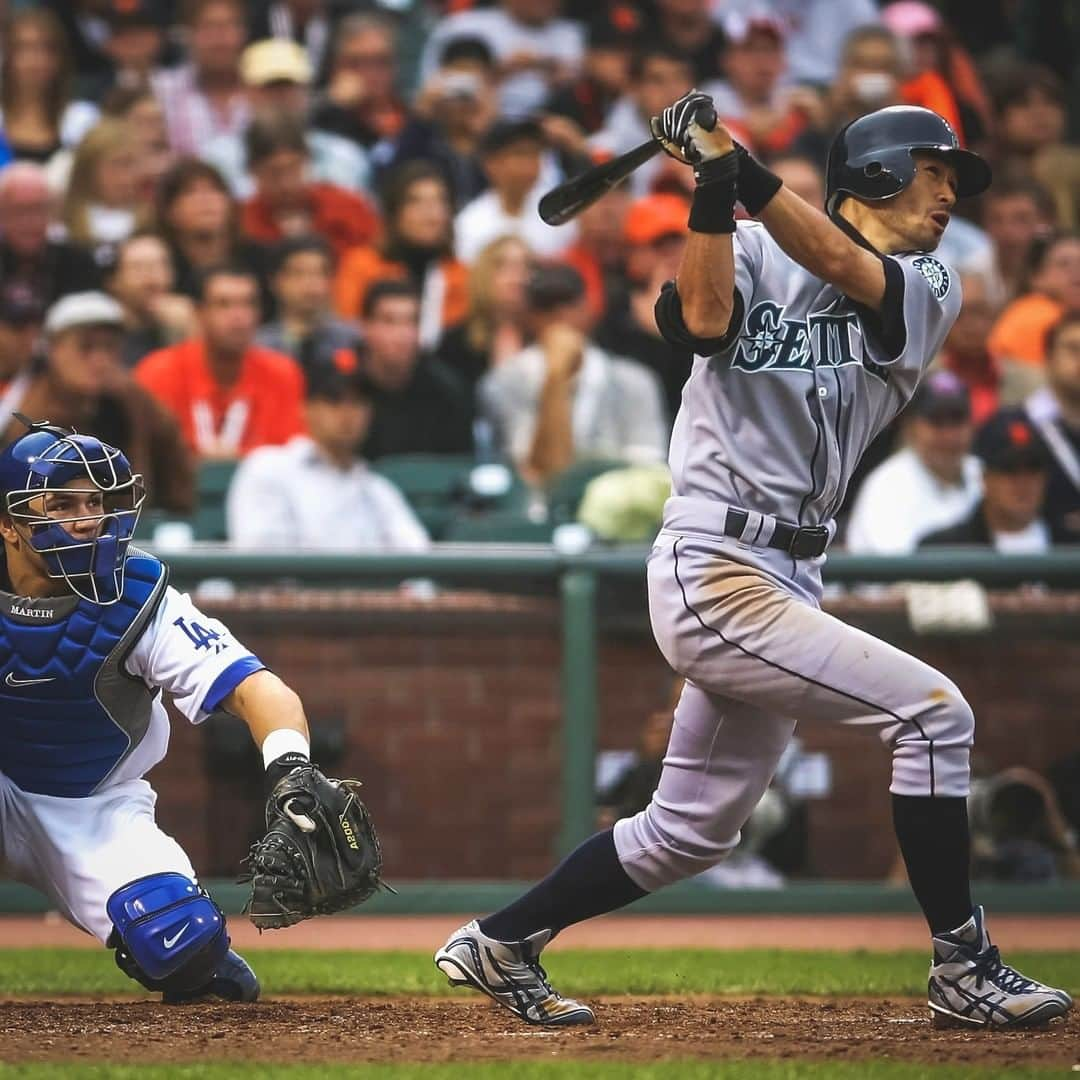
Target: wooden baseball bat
{"x":563,"y":203}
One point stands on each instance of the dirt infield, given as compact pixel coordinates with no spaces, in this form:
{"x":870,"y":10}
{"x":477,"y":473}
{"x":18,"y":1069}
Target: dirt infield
{"x":379,"y":933}
{"x":310,"y":1030}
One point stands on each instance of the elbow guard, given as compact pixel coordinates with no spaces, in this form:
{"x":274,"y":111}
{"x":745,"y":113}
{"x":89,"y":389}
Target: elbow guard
{"x":673,"y":329}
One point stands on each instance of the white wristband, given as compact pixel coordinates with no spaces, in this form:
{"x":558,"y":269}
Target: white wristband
{"x":284,"y":741}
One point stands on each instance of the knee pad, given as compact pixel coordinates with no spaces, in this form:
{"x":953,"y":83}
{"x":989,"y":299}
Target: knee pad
{"x":167,"y":932}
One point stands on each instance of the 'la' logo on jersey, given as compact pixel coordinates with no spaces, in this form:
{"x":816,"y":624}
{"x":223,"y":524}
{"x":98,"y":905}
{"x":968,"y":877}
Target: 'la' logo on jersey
{"x":769,"y":341}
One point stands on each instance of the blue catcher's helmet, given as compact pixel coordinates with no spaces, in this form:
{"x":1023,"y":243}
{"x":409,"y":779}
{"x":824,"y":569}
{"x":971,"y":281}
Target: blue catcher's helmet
{"x":47,"y":459}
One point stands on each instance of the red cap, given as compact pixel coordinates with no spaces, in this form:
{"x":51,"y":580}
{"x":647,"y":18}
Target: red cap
{"x":654,"y":216}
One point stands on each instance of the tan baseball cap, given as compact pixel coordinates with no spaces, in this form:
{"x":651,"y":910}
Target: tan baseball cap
{"x":275,"y":60}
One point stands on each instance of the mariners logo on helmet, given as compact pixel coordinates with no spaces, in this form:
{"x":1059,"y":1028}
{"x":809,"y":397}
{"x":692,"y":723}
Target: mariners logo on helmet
{"x":936,"y":274}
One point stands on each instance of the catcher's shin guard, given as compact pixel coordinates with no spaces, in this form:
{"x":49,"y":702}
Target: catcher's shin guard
{"x":510,"y":973}
{"x":970,"y":987}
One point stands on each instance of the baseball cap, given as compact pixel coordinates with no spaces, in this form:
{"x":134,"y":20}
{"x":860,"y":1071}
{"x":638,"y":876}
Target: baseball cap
{"x":911,"y":19}
{"x":275,"y":60}
{"x":124,"y":13}
{"x":83,"y":309}
{"x":20,"y":305}
{"x":943,"y":397}
{"x":504,"y":133}
{"x":330,"y":382}
{"x":1008,"y":442}
{"x":654,"y":216}
{"x":739,"y":25}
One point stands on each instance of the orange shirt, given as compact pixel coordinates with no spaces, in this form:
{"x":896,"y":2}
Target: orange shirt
{"x":342,"y":218}
{"x":264,"y":406}
{"x":361,"y":267}
{"x":1020,"y":331}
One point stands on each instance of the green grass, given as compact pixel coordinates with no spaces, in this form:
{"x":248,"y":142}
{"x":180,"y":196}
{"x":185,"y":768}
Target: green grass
{"x":537,"y":1070}
{"x":659,"y":971}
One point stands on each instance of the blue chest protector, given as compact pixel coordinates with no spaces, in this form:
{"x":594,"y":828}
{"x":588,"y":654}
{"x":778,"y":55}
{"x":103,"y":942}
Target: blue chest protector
{"x":69,"y":712}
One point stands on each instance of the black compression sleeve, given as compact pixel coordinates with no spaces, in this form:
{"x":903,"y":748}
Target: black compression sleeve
{"x":673,"y":328}
{"x":757,"y":185}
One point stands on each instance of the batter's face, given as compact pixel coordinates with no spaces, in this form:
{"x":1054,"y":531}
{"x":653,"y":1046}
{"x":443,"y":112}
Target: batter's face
{"x":916,"y":219}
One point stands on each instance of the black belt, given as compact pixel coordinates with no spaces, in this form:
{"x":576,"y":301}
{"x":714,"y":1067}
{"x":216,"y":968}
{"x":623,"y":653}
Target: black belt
{"x":799,"y":541}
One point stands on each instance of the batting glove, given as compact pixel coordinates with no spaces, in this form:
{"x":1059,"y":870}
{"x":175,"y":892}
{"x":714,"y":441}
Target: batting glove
{"x":680,"y":133}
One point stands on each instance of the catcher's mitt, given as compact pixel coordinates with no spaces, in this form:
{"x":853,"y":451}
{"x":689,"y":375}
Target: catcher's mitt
{"x":320,"y":853}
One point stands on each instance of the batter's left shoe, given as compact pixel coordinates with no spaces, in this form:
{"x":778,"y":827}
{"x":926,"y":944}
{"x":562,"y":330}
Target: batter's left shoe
{"x":970,"y":986}
{"x":509,"y":972}
{"x":233,"y":981}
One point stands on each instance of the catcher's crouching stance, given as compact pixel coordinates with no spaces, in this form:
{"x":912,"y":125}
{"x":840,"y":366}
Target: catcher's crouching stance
{"x":90,"y":634}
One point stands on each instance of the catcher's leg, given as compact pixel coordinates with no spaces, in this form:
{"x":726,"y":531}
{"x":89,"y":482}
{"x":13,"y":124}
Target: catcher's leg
{"x":104,"y":862}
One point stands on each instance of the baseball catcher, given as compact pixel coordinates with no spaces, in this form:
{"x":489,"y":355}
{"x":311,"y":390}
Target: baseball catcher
{"x":320,"y":853}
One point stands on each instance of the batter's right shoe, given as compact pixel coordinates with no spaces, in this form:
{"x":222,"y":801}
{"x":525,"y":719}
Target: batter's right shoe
{"x":970,"y":986}
{"x":511,"y":974}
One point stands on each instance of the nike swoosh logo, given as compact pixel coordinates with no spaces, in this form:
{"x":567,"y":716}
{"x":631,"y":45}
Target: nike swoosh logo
{"x":170,"y":942}
{"x":13,"y":680}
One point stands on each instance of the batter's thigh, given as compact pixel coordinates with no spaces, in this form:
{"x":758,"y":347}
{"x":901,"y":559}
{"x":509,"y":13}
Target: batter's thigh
{"x":80,"y":851}
{"x":733,"y":630}
{"x":720,"y":758}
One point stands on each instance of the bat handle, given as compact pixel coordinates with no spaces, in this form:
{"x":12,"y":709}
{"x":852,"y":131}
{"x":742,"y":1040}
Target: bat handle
{"x":706,"y":117}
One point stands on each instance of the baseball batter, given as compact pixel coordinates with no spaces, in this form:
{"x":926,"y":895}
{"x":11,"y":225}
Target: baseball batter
{"x":90,"y":633}
{"x":811,"y":332}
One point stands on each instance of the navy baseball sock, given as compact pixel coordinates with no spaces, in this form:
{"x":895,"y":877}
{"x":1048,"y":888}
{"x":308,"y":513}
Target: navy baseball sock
{"x":588,"y":882}
{"x":936,"y":846}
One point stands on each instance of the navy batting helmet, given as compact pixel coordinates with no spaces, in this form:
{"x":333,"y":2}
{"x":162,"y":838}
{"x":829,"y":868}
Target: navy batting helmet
{"x":871,"y":156}
{"x":45,"y":464}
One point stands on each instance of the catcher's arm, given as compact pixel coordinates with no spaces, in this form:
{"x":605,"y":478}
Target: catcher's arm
{"x":273,"y":713}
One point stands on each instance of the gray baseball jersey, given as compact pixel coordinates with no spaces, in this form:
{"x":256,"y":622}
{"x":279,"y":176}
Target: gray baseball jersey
{"x":775,"y":424}
{"x":778,"y":420}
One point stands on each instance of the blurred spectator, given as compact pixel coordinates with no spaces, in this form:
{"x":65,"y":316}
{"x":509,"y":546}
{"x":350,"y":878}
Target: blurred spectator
{"x":655,"y":234}
{"x":941,"y":75}
{"x":29,"y":253}
{"x":511,"y":152}
{"x":1008,"y":518}
{"x":1054,"y":289}
{"x":686,"y":27}
{"x":1018,"y":830}
{"x":308,"y":23}
{"x":21,"y":317}
{"x":494,"y":325}
{"x":276,"y":76}
{"x":871,"y":65}
{"x":37,"y":114}
{"x":564,"y":399}
{"x":1015,"y":213}
{"x":229,"y":394}
{"x":599,"y":253}
{"x":420,"y":407}
{"x":143,"y":282}
{"x":802,"y":175}
{"x":145,"y":120}
{"x":205,"y":97}
{"x":361,"y":102}
{"x":103,"y":203}
{"x":417,"y":246}
{"x":82,"y":384}
{"x":658,"y":76}
{"x":931,"y":484}
{"x":965,"y":353}
{"x":817,"y":31}
{"x":763,"y":113}
{"x":314,"y":493}
{"x":537,"y":51}
{"x":306,"y":327}
{"x":450,"y":115}
{"x":199,"y":219}
{"x":605,"y":74}
{"x":287,"y":203}
{"x":1055,"y":411}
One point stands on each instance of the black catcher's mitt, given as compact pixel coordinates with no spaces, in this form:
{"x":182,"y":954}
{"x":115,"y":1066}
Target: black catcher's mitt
{"x":320,"y":853}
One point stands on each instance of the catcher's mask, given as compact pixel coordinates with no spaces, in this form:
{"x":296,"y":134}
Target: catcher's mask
{"x":38,"y":474}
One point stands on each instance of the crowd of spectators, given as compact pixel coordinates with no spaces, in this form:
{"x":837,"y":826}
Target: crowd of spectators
{"x":302,"y":236}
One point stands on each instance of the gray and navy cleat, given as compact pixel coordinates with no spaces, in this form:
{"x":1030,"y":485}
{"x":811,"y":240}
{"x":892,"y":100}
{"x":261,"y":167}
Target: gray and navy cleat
{"x":511,"y":974}
{"x":970,"y":986}
{"x":233,"y":981}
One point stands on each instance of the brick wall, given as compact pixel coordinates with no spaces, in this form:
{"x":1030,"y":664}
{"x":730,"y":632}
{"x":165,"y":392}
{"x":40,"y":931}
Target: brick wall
{"x":449,"y":712}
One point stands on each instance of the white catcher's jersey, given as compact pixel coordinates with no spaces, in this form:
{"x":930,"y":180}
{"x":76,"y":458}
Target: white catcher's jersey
{"x":777,"y":421}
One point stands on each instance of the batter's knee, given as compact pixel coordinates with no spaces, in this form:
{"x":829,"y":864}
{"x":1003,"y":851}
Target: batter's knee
{"x":932,"y":751}
{"x":657,"y":848}
{"x":167,"y":932}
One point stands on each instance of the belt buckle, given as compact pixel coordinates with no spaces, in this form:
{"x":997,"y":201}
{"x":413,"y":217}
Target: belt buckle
{"x":809,"y":541}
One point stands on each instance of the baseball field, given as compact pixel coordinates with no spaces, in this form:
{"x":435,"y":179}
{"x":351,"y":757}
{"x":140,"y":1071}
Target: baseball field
{"x":737,"y":996}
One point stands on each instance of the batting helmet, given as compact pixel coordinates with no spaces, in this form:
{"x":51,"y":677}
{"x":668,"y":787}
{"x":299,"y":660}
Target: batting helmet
{"x":871,"y":156}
